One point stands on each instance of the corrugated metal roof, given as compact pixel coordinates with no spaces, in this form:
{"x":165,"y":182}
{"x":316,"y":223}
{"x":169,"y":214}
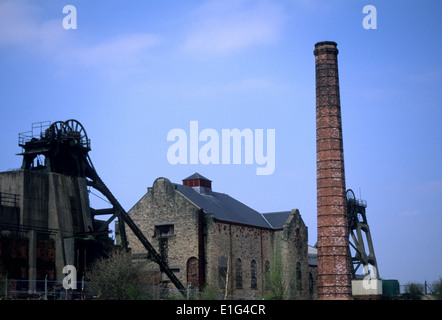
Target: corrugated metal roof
{"x":224,"y":207}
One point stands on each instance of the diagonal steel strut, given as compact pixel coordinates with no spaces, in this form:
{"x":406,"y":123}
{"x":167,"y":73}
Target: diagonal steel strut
{"x":99,"y":185}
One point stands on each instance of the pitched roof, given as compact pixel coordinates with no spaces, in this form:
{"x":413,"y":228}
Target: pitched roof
{"x":224,"y":207}
{"x":312,"y":256}
{"x":277,"y":219}
{"x":196,"y":175}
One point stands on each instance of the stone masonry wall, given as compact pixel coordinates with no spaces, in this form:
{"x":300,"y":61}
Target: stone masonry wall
{"x":244,"y":250}
{"x":238,"y":258}
{"x":294,"y":252}
{"x":162,"y":206}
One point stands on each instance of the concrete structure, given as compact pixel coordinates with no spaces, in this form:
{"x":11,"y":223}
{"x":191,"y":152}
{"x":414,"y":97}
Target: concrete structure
{"x":210,"y":239}
{"x":45,"y":218}
{"x":45,"y":227}
{"x":334,"y":274}
{"x":367,"y":287}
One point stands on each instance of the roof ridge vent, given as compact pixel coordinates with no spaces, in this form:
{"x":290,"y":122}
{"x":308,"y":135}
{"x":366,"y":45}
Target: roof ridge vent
{"x":199,"y":183}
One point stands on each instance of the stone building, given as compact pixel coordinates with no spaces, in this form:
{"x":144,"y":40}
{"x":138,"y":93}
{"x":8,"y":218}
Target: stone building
{"x":209,"y":239}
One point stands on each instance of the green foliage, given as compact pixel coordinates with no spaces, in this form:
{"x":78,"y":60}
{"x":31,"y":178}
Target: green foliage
{"x":413,"y":291}
{"x":114,"y":278}
{"x":437,"y":288}
{"x":275,"y":280}
{"x":135,"y":293}
{"x":210,"y":293}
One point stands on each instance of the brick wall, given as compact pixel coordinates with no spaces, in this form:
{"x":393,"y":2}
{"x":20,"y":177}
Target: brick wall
{"x":333,"y":248}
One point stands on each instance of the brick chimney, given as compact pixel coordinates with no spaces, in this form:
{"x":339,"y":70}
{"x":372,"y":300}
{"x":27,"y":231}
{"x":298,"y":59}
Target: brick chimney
{"x":334,"y":274}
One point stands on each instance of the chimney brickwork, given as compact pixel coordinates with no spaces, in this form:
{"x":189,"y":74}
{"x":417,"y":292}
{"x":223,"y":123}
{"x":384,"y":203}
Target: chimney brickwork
{"x":334,"y":274}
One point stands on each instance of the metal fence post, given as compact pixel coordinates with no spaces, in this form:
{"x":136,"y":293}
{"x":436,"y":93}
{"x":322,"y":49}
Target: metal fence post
{"x":46,"y":287}
{"x":6,"y":286}
{"x":82,"y":288}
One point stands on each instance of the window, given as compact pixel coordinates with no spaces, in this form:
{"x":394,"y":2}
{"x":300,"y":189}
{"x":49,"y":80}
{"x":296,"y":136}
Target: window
{"x":222,"y":272}
{"x":192,"y":272}
{"x":298,"y":276}
{"x":164,"y":230}
{"x":311,"y":284}
{"x":267,"y":274}
{"x":253,"y":280}
{"x":238,"y":269}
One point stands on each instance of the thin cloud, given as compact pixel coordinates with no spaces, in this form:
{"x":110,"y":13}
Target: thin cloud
{"x":16,"y":24}
{"x":409,"y":213}
{"x":213,"y":90}
{"x":128,"y":49}
{"x":241,"y":86}
{"x":222,"y":27}
{"x":21,"y":27}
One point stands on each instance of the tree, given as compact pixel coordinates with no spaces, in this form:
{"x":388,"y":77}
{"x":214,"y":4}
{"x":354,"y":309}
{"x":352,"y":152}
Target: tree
{"x":114,"y":278}
{"x":437,"y":288}
{"x":275,"y":279}
{"x":413,"y":291}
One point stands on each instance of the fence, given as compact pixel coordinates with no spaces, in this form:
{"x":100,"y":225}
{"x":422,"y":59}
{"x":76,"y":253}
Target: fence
{"x":54,"y":290}
{"x":40,"y":290}
{"x":423,"y":288}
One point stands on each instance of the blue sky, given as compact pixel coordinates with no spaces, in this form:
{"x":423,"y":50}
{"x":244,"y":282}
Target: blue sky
{"x":134,"y":70}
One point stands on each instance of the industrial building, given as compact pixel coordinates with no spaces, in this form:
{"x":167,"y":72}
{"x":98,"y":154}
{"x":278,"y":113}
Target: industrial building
{"x":188,"y":235}
{"x":209,"y":238}
{"x":46,"y":221}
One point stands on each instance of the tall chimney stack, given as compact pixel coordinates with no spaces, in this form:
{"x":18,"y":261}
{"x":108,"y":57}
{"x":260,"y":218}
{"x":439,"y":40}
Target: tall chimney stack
{"x":334,"y":275}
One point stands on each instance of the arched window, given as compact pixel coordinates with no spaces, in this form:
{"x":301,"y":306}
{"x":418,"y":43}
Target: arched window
{"x":253,"y":279}
{"x":222,"y":272}
{"x":267,"y":274}
{"x":192,"y":272}
{"x":238,"y":271}
{"x":311,"y":284}
{"x":298,"y":276}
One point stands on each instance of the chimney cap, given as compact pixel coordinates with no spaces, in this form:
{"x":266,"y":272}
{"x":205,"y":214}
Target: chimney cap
{"x":326,"y":43}
{"x":326,"y":46}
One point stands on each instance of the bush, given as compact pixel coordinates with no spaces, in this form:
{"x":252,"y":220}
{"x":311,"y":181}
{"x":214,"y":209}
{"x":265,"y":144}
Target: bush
{"x":413,"y":291}
{"x":114,"y":278}
{"x":436,"y":287}
{"x":275,"y":279}
{"x":210,"y":293}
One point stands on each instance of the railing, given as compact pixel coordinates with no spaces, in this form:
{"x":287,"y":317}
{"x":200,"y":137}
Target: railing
{"x":40,"y":290}
{"x":37,"y":132}
{"x":423,"y":288}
